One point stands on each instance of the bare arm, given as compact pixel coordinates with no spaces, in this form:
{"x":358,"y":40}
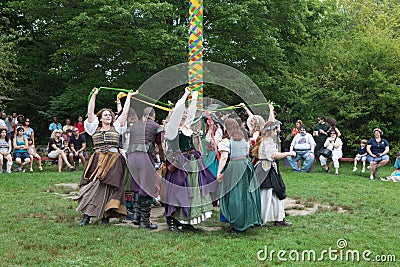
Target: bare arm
{"x":281,"y":155}
{"x":248,"y":111}
{"x":124,"y":115}
{"x":271,"y":116}
{"x":33,"y":138}
{"x":369,"y":151}
{"x":384,"y":152}
{"x":92,"y":104}
{"x":221,"y":165}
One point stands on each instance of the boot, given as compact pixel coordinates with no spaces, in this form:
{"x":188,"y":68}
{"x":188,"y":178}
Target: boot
{"x":135,"y":216}
{"x":145,"y":208}
{"x":189,"y":227}
{"x":172,"y":226}
{"x":85,"y":220}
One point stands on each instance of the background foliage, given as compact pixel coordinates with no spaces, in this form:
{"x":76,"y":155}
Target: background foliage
{"x":336,"y":58}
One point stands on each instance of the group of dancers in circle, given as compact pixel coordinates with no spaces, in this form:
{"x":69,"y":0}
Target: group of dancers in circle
{"x":114,"y":185}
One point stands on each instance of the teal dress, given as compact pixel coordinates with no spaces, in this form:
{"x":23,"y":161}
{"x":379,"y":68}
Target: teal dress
{"x":240,"y":202}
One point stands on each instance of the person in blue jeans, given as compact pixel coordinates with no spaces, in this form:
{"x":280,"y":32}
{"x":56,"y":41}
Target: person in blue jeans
{"x":303,"y":144}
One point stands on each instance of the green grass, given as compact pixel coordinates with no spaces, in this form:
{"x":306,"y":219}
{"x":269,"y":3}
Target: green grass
{"x":39,"y":227}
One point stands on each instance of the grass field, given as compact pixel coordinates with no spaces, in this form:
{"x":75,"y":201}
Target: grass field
{"x":39,"y":228}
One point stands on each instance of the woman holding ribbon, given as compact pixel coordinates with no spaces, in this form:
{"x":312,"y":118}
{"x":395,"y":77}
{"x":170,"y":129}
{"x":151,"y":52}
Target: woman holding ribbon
{"x":101,"y":191}
{"x":188,"y":183}
{"x":266,"y":150}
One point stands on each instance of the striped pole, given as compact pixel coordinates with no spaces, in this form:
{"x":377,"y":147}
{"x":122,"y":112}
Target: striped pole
{"x":195,"y":56}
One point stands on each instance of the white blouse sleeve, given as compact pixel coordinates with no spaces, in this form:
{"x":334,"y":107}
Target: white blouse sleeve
{"x":191,"y":111}
{"x":268,"y":149}
{"x":172,"y":127}
{"x":224,"y":145}
{"x":120,"y":129}
{"x":91,"y":127}
{"x":218,"y":135}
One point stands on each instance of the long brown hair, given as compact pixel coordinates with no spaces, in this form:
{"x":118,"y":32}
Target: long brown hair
{"x":264,"y":134}
{"x":233,"y":129}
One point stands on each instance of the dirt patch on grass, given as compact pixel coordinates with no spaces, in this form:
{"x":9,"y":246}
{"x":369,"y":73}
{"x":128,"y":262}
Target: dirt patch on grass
{"x":298,"y":207}
{"x":293,"y":207}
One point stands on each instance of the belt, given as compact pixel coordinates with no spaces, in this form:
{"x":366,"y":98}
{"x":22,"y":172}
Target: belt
{"x":237,"y":158}
{"x":188,"y":152}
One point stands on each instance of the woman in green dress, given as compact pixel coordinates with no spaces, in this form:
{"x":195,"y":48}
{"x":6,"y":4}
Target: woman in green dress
{"x":239,"y":194}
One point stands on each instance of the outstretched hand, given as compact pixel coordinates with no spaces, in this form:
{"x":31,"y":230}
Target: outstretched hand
{"x":133,"y":93}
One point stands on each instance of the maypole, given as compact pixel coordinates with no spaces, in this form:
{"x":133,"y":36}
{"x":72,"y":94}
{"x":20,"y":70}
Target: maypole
{"x":195,"y":55}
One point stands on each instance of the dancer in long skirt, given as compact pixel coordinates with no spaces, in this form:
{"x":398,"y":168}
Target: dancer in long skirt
{"x":101,"y":191}
{"x":188,"y":183}
{"x":272,"y":208}
{"x":239,"y":193}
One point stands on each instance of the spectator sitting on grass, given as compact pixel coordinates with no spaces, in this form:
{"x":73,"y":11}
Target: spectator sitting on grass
{"x":395,"y":176}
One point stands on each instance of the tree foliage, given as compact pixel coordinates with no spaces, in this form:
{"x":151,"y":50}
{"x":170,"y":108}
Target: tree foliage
{"x":336,"y":58}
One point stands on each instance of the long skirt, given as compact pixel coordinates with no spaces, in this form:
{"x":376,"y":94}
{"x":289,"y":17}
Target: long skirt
{"x":102,"y":191}
{"x":187,"y":190}
{"x":272,"y":209}
{"x":239,"y":201}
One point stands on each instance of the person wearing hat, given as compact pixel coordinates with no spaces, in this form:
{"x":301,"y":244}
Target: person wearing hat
{"x":377,"y":149}
{"x":77,"y":143}
{"x":303,"y":144}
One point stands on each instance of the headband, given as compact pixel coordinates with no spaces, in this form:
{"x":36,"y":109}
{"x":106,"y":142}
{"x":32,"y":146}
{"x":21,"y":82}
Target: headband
{"x":269,"y":128}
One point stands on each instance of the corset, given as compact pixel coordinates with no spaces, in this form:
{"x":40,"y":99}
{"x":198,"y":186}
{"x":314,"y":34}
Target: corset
{"x":104,"y":140}
{"x":182,"y":143}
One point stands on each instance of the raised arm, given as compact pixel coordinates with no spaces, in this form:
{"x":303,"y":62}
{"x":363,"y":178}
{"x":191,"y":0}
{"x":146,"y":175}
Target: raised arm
{"x":271,"y":116}
{"x":172,"y":127}
{"x":243,"y":105}
{"x":91,"y":106}
{"x":124,"y":115}
{"x":191,"y":111}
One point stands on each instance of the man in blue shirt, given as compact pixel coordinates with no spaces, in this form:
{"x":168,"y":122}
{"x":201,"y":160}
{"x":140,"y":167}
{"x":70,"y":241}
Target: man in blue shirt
{"x":55,"y":125}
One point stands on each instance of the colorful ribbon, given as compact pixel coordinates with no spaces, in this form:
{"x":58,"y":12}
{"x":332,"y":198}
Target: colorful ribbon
{"x":195,"y":55}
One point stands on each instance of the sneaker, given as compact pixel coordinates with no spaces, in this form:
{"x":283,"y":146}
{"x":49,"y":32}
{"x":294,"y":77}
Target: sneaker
{"x":385,"y":179}
{"x":31,"y":170}
{"x":40,"y":168}
{"x":363,"y":170}
{"x":371,"y":177}
{"x":9,"y":171}
{"x":327,"y":170}
{"x":23,"y":170}
{"x":354,"y":169}
{"x":19,"y":169}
